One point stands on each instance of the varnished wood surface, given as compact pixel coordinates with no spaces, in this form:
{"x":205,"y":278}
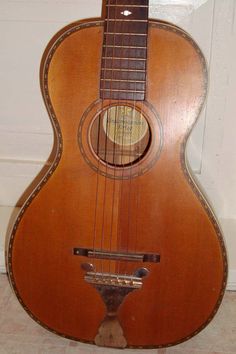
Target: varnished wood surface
{"x":156,"y":212}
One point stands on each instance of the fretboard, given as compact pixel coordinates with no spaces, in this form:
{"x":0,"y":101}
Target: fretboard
{"x":124,"y":55}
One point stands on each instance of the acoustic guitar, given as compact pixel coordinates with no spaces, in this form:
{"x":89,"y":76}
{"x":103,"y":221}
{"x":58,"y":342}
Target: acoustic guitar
{"x":116,"y":244}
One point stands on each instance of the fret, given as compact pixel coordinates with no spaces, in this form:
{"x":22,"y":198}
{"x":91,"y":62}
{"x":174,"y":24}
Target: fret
{"x":123,"y":74}
{"x":125,"y":40}
{"x":126,"y":5}
{"x":126,"y":70}
{"x":126,"y":34}
{"x":112,"y":64}
{"x":123,"y":85}
{"x":118,"y":74}
{"x":119,"y":90}
{"x":123,"y":58}
{"x":121,"y":27}
{"x":124,"y":80}
{"x":125,"y":53}
{"x":138,"y":84}
{"x":135,"y":75}
{"x":128,"y":2}
{"x":123,"y":46}
{"x":119,"y":95}
{"x":124,"y":20}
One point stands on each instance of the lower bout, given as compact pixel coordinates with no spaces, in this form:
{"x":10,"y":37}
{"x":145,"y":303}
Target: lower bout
{"x":166,"y":310}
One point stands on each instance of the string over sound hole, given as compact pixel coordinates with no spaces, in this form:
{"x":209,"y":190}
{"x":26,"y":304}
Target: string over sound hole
{"x":120,"y":135}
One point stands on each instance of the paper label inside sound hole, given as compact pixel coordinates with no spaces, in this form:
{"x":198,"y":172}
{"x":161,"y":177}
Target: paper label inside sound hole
{"x":124,"y":125}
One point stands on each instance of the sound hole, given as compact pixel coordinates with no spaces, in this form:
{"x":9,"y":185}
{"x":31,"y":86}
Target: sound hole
{"x":120,"y":135}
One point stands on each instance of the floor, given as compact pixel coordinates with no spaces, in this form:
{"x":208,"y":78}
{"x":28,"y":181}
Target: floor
{"x":19,"y":334}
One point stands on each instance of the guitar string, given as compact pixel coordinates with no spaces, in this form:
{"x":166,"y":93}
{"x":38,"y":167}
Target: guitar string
{"x":113,"y":139}
{"x":108,"y":123}
{"x":118,"y":113}
{"x":114,"y":158}
{"x":132,"y":161}
{"x":107,"y":130}
{"x":123,"y":155}
{"x":124,"y":103}
{"x":114,"y":147}
{"x":118,"y":164}
{"x":98,"y":177}
{"x":129,"y":162}
{"x":143,"y":150}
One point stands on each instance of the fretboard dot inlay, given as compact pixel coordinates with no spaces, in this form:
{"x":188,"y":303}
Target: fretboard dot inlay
{"x":126,"y":13}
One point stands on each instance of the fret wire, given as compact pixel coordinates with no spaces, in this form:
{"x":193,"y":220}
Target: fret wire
{"x":123,"y":20}
{"x":123,"y":96}
{"x":119,"y":58}
{"x":118,"y":90}
{"x":125,"y":80}
{"x":127,"y":70}
{"x":116,"y":5}
{"x":123,"y":46}
{"x":125,"y":34}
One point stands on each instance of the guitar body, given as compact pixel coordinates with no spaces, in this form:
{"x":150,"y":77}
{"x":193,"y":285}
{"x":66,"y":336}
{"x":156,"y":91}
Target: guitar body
{"x":151,"y":206}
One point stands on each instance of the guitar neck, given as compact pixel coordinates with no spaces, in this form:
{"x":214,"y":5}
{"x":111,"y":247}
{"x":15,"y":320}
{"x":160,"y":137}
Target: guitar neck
{"x":124,"y":55}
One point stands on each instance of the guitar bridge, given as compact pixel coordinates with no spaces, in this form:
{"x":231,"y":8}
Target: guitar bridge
{"x":117,"y":256}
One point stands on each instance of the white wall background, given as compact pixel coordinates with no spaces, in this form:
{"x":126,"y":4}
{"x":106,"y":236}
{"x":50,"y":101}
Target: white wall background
{"x":25,"y":131}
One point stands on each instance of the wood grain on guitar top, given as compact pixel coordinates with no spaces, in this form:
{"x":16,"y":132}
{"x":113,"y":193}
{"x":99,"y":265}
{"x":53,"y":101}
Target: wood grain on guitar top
{"x":157,"y":212}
